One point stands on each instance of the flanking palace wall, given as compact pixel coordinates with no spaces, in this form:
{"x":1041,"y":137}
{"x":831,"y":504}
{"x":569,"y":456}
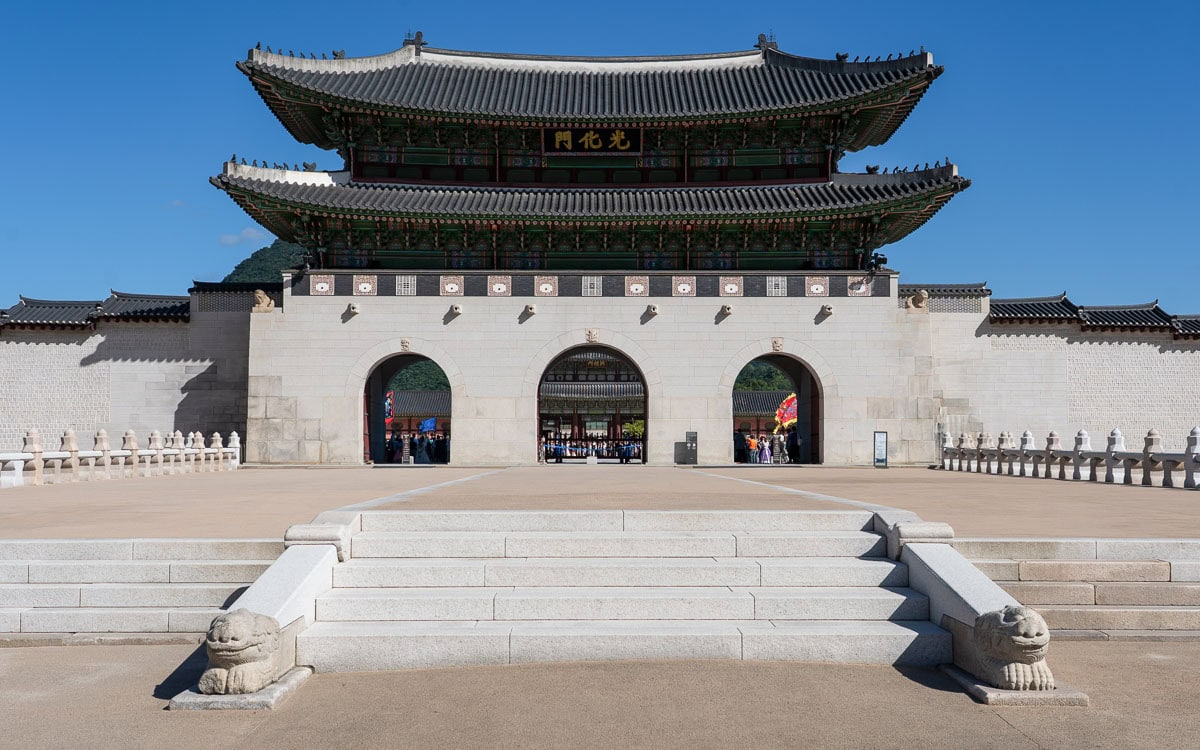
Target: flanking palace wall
{"x":186,"y":374}
{"x":291,"y":380}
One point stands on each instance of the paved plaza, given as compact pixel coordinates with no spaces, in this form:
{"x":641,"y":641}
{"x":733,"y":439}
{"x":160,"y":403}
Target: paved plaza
{"x":114,"y":696}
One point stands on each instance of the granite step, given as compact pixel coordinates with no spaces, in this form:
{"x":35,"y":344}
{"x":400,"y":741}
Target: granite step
{"x":373,"y":646}
{"x":617,"y":520}
{"x":1118,"y":617}
{"x":629,"y":571}
{"x":1105,"y":593}
{"x":140,"y":549}
{"x":116,"y":620}
{"x":484,"y":544}
{"x":622,"y":603}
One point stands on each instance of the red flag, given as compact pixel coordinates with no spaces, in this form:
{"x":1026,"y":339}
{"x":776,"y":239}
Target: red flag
{"x":785,"y":415}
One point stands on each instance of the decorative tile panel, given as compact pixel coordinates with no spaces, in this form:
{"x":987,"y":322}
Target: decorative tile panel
{"x":777,"y":286}
{"x":452,"y":286}
{"x":637,"y":286}
{"x":683,"y":286}
{"x":545,"y":286}
{"x":858,"y":286}
{"x":320,"y":285}
{"x":816,"y":286}
{"x":365,"y":286}
{"x":731,"y":286}
{"x":593,"y":286}
{"x":499,"y":286}
{"x":406,"y":286}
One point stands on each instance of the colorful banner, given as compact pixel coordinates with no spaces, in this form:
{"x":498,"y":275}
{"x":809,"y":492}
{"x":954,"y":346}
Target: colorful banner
{"x":428,"y":425}
{"x":785,"y":415}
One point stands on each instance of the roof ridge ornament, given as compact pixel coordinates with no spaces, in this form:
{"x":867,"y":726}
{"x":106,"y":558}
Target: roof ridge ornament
{"x":417,"y":41}
{"x":766,"y":42}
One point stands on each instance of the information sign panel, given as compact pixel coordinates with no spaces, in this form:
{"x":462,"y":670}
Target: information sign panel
{"x":880,"y":450}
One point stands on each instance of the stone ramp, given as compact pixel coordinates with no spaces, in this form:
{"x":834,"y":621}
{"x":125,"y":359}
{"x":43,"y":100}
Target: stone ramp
{"x":133,"y":586}
{"x":447,"y":588}
{"x":1106,"y":587}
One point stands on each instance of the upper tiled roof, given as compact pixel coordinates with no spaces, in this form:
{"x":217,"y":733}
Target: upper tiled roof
{"x":844,"y":192}
{"x":1057,"y":307}
{"x":628,"y":90}
{"x":84,"y":313}
{"x":219,"y":287}
{"x":1144,"y":317}
{"x":946,"y":290}
{"x":1148,"y":315}
{"x":420,"y":403}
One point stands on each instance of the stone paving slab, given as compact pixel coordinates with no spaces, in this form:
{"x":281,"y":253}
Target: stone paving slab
{"x":116,"y":696}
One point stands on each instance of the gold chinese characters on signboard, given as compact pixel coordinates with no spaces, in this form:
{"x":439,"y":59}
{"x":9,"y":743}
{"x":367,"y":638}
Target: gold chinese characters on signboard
{"x":592,"y":140}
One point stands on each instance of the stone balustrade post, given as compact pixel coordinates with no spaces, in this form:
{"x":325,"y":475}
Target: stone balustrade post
{"x":196,"y":443}
{"x":947,"y":449}
{"x":33,"y":446}
{"x":984,"y":445}
{"x":964,"y":444}
{"x":235,"y":449}
{"x":1191,"y":459}
{"x":129,"y":442}
{"x":180,"y":462}
{"x":1151,"y":444}
{"x":69,"y":444}
{"x":214,"y":444}
{"x":1115,"y":445}
{"x":1006,"y":445}
{"x":154,"y":462}
{"x":1083,"y":444}
{"x":1028,"y":453}
{"x":100,"y":444}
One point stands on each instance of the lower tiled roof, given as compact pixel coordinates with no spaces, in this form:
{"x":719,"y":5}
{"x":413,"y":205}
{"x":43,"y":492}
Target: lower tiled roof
{"x":758,"y":403}
{"x":1058,"y":308}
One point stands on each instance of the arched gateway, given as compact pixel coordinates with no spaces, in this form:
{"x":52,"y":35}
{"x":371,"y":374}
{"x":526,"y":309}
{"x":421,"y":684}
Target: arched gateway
{"x":592,"y":402}
{"x":754,"y":411}
{"x":406,"y":418}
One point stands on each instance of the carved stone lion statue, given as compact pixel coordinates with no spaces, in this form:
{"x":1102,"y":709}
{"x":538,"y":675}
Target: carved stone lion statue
{"x":241,"y":653}
{"x":263,"y":301}
{"x":918,"y":301}
{"x":1012,"y":644}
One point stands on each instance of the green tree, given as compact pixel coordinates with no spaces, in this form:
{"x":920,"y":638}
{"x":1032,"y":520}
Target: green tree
{"x":420,"y":376}
{"x":266,"y":264}
{"x":762,"y":376}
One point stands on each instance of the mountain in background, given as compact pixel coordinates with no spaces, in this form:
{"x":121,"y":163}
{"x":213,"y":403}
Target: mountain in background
{"x":266,"y":263}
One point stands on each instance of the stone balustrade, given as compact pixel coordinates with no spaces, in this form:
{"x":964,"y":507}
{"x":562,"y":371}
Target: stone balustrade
{"x":1115,"y":463}
{"x":175,"y":453}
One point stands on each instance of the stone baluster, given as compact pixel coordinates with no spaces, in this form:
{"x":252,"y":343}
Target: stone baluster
{"x":1191,"y":462}
{"x":947,"y":451}
{"x":982,"y":456}
{"x":33,"y":467}
{"x":129,"y":442}
{"x":1003,"y":444}
{"x":70,"y":445}
{"x":197,"y":444}
{"x":964,"y":445}
{"x":1151,"y":445}
{"x":1028,"y":453}
{"x":1116,"y":445}
{"x":104,"y":462}
{"x":154,"y":462}
{"x":180,"y":446}
{"x":215,"y":446}
{"x":1083,"y":444}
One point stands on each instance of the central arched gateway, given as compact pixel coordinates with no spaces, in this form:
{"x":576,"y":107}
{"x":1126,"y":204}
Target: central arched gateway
{"x":592,"y":402}
{"x":406,"y":412}
{"x":756,"y":415}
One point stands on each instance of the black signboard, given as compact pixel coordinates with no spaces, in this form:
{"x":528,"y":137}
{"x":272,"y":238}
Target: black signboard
{"x":592,"y":140}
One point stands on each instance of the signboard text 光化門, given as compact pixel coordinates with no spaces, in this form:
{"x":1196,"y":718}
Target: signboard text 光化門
{"x":592,"y":140}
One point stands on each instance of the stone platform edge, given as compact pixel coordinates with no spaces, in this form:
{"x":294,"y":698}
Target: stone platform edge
{"x":266,"y":699}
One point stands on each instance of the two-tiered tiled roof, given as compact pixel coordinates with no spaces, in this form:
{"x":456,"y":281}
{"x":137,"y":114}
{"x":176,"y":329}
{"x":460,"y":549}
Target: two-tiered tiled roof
{"x":275,"y":197}
{"x":631,"y":91}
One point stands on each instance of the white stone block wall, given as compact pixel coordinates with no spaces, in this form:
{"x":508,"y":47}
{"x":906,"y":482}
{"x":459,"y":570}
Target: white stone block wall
{"x":309,"y":362}
{"x":124,"y":375}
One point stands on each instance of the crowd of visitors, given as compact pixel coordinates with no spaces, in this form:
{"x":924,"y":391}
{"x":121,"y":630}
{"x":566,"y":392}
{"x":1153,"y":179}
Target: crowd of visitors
{"x":426,"y":448}
{"x":554,"y":450}
{"x":749,"y":448}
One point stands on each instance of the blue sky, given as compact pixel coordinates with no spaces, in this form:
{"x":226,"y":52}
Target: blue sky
{"x":1075,"y":122}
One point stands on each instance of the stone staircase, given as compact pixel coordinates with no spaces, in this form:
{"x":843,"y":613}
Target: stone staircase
{"x":433,"y":588}
{"x":1148,"y":588}
{"x":124,"y":585}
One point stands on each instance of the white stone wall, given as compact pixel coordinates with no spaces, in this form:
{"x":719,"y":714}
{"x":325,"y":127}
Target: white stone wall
{"x":124,"y":375}
{"x":309,"y":362}
{"x":1054,"y":376}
